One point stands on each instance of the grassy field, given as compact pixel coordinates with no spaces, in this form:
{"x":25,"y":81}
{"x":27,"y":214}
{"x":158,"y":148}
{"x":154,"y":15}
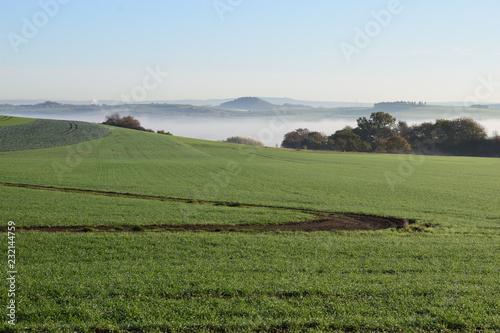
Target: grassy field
{"x":55,"y":208}
{"x":9,"y":121}
{"x":259,"y":282}
{"x":450,"y":191}
{"x":444,"y":279}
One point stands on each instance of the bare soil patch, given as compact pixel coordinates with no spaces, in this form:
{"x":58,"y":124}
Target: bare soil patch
{"x":348,"y":222}
{"x":324,"y":221}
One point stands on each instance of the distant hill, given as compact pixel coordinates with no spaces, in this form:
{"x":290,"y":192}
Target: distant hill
{"x":314,"y":104}
{"x":249,"y":103}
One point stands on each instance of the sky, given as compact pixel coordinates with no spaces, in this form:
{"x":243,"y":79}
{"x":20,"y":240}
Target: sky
{"x":322,"y":50}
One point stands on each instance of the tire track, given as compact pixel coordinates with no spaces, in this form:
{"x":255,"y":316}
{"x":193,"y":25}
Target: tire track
{"x":324,"y":220}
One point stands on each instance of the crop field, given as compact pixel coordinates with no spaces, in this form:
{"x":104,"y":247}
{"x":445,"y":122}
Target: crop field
{"x":257,"y":282}
{"x":44,"y":133}
{"x":9,"y":120}
{"x":56,"y":208}
{"x":441,"y":277}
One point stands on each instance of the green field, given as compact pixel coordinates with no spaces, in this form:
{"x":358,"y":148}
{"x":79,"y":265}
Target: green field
{"x":443,"y":279}
{"x":263,"y":282}
{"x":9,"y":120}
{"x":55,"y":208}
{"x":46,"y":133}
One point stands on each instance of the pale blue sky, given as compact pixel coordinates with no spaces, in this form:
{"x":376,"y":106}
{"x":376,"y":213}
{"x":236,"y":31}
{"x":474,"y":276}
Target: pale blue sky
{"x":88,"y":49}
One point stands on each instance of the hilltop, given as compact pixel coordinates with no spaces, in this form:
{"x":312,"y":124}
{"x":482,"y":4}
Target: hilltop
{"x":249,"y":104}
{"x":22,"y":133}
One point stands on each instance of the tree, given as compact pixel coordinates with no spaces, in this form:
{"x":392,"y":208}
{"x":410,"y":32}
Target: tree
{"x":495,"y":144}
{"x":315,"y":141}
{"x":402,"y":129}
{"x":469,"y":129}
{"x":423,"y":136}
{"x":113,"y":119}
{"x":458,"y":136}
{"x":302,"y":138}
{"x":459,"y":131}
{"x":381,"y":125}
{"x":346,"y":140}
{"x":295,"y":139}
{"x":395,"y":145}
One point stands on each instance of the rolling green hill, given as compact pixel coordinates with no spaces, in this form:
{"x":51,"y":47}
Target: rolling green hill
{"x":420,"y":187}
{"x":10,"y":121}
{"x":45,"y":133}
{"x":442,"y":279}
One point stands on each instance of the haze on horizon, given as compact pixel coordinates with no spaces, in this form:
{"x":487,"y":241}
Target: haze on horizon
{"x":377,"y":50}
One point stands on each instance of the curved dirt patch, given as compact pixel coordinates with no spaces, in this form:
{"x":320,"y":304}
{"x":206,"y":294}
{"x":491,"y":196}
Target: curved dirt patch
{"x":323,"y":223}
{"x":324,"y":220}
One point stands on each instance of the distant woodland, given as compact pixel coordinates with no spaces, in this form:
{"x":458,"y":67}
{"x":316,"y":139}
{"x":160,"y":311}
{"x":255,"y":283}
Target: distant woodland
{"x":382,"y":133}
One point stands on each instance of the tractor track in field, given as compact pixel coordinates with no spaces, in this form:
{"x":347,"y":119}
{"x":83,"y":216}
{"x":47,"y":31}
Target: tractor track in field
{"x":324,"y":220}
{"x":5,"y":118}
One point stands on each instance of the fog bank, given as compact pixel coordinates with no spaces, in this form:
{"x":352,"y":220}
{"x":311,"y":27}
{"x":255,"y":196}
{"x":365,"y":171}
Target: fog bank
{"x":269,"y":130}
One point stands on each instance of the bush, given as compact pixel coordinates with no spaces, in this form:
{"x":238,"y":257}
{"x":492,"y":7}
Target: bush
{"x":125,"y":122}
{"x":244,"y":141}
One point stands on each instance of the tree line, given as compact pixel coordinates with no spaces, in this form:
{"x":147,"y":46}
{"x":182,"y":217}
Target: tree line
{"x":382,"y":133}
{"x":399,"y":104}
